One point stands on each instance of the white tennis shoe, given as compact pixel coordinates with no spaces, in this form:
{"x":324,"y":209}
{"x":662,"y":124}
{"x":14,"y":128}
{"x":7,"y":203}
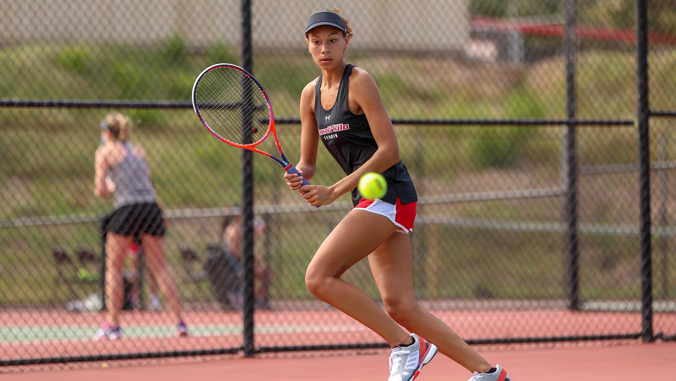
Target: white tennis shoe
{"x":406,"y":362}
{"x":499,"y":375}
{"x":108,"y":332}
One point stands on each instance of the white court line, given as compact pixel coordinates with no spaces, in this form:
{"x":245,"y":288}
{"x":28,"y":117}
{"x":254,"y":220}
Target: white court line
{"x":235,"y":330}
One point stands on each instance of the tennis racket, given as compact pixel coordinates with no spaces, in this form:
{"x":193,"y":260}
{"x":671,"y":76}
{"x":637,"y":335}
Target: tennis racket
{"x":234,"y":107}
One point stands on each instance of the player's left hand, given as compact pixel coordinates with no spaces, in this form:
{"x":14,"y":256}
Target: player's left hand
{"x":110,"y":185}
{"x":317,"y":195}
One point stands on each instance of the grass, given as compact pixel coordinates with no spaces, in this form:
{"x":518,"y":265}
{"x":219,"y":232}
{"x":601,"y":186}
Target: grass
{"x":47,"y":162}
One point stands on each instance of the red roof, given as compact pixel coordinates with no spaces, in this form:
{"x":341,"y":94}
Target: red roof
{"x":539,"y":28}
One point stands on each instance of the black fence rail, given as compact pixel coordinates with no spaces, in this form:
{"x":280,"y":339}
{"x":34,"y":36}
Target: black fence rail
{"x":531,"y":130}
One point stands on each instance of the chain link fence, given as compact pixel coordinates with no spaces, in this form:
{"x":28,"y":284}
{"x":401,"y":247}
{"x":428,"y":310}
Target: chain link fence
{"x":517,"y":120}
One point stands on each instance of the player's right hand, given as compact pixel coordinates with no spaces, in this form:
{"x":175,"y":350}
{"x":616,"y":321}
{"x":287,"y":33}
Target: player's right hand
{"x":293,"y":180}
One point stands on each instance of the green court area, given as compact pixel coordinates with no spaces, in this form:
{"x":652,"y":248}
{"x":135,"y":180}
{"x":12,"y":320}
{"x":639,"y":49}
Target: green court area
{"x":43,"y":333}
{"x":82,"y":332}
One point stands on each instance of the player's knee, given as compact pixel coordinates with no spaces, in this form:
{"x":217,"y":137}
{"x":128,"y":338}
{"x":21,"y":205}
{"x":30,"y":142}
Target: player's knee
{"x":316,"y":284}
{"x":401,"y":310}
{"x":312,"y":284}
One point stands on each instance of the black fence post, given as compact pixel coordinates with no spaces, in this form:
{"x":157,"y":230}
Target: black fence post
{"x":572,"y":239}
{"x":247,"y":195}
{"x":643,"y":124}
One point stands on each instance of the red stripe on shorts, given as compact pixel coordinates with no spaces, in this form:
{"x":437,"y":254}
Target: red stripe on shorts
{"x":404,"y":213}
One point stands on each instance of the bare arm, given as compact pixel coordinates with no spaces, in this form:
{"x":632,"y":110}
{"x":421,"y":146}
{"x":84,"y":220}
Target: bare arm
{"x":233,"y":239}
{"x":309,"y":138}
{"x":101,"y":168}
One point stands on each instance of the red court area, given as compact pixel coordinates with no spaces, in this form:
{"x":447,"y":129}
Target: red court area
{"x":626,"y":359}
{"x":291,"y":328}
{"x":637,"y":361}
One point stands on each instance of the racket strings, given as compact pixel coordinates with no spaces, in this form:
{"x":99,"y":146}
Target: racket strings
{"x":232,"y":105}
{"x":221,"y":108}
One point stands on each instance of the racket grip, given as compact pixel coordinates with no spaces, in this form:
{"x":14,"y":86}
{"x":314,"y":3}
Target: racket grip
{"x":292,"y":169}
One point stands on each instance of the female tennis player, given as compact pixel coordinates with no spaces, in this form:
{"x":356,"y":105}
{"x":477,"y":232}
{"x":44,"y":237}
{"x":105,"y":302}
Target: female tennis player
{"x":121,"y":170}
{"x":343,"y":109}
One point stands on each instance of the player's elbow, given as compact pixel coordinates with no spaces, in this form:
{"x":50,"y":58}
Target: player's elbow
{"x":309,"y":174}
{"x":308,"y":170}
{"x":391,"y":155}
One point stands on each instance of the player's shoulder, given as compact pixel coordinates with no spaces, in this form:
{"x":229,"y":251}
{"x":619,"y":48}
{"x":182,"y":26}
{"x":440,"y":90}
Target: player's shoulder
{"x":310,"y":87}
{"x":104,"y":150}
{"x":358,"y":72}
{"x":308,"y":92}
{"x":360,"y":79}
{"x":138,"y":150}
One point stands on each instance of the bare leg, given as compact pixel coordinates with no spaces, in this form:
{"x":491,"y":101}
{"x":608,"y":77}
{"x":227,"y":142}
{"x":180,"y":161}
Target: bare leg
{"x":157,"y":264}
{"x":116,"y":249}
{"x":152,"y":281}
{"x":136,"y":280}
{"x":263,"y":277}
{"x":355,"y":237}
{"x":134,"y":270}
{"x":392,"y":268}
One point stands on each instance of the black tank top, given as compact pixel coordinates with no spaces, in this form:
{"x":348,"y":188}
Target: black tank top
{"x":349,"y":139}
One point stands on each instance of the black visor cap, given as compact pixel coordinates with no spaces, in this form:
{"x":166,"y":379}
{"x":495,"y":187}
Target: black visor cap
{"x":325,"y":18}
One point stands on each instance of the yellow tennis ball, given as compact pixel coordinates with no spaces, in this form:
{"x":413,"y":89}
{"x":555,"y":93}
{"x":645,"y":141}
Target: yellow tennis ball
{"x":372,"y":185}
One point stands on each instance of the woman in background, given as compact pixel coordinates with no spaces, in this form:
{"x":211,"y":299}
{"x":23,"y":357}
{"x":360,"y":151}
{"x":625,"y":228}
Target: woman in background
{"x":232,"y":241}
{"x":121,"y":170}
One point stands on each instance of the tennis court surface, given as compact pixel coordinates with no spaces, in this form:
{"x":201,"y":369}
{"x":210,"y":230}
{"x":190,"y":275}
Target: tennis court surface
{"x":637,"y":361}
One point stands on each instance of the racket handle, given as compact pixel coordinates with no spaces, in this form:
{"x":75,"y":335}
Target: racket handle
{"x":292,"y":169}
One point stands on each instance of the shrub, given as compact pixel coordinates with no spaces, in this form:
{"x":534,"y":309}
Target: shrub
{"x":174,"y":51}
{"x":74,"y":59}
{"x":220,"y":52}
{"x":505,"y":147}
